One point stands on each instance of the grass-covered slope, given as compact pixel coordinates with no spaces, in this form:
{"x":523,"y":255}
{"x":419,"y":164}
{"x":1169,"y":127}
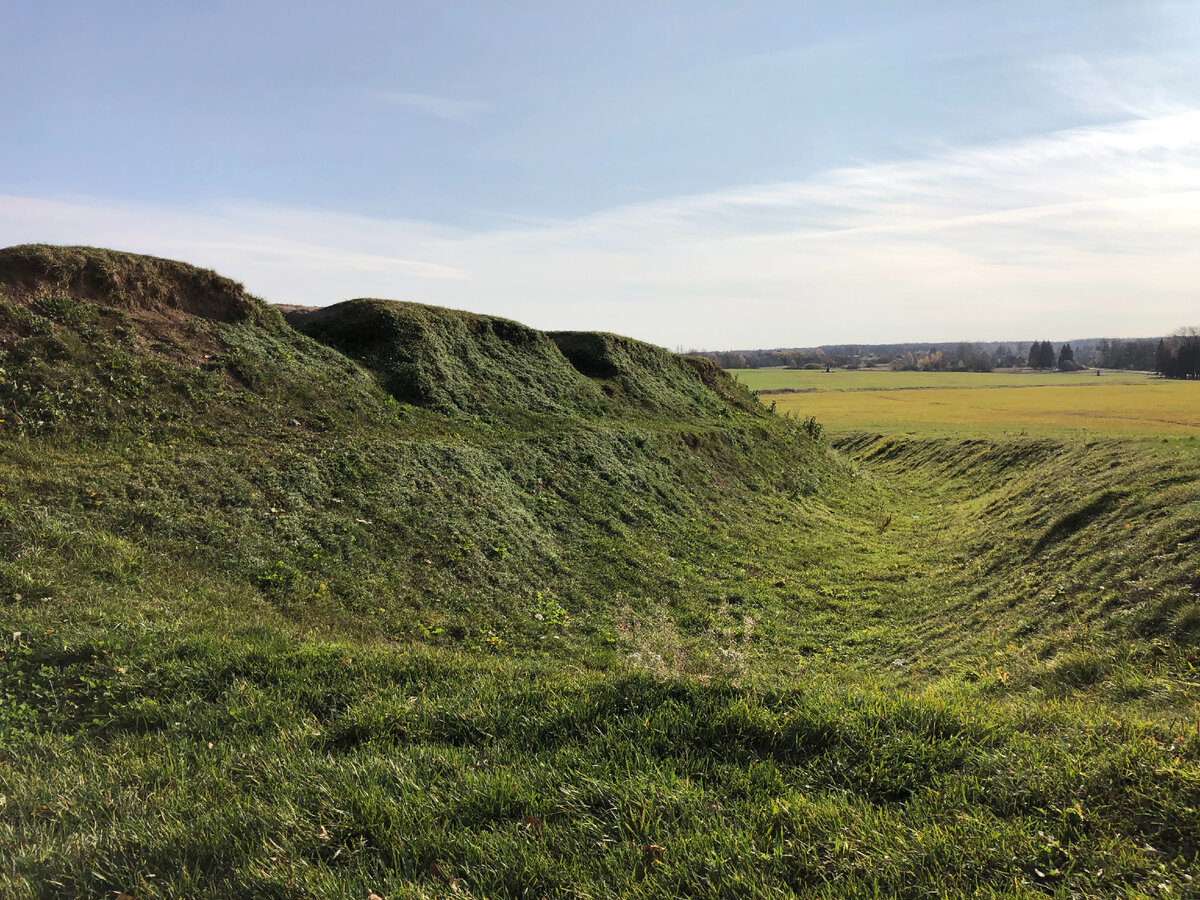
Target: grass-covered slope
{"x":652,"y":380}
{"x":267,"y":456}
{"x":452,"y":361}
{"x":409,"y":601}
{"x":1074,"y":552}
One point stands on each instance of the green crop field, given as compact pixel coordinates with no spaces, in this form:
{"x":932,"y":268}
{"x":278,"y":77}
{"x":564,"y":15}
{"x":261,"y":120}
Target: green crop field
{"x":393,"y":601}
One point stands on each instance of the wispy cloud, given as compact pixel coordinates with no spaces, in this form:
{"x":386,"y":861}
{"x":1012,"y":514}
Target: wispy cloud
{"x":1131,"y":86}
{"x":1090,"y":230}
{"x":448,"y":108}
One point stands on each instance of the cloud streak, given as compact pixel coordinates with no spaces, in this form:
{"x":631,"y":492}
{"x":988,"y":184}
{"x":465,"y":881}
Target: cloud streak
{"x":1086,"y":231}
{"x":447,"y":108}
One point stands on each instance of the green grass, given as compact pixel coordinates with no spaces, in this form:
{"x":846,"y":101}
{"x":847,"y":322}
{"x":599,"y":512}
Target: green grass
{"x":269,"y":631}
{"x":861,"y":710}
{"x":268,"y":766}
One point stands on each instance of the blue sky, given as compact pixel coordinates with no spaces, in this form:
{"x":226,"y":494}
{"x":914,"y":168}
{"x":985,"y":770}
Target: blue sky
{"x":713,"y":175}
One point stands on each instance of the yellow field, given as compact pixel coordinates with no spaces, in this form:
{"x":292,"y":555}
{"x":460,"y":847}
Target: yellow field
{"x":1151,"y":407}
{"x":884,"y":379}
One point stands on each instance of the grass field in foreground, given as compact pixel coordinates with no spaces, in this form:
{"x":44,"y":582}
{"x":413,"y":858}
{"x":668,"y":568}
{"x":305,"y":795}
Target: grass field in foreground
{"x":886,"y":380}
{"x":1156,"y":407}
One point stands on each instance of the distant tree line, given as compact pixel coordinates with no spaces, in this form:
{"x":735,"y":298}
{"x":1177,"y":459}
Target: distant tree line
{"x":1041,"y":355}
{"x":1178,"y":356}
{"x":1135,"y":354}
{"x":964,"y":358}
{"x":913,"y":357}
{"x":1141,"y":354}
{"x":816,"y":358}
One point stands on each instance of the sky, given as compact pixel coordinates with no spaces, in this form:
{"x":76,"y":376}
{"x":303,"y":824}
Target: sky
{"x":695,"y":174}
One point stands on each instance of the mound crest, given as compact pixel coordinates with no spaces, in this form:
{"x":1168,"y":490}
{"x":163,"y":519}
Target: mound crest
{"x":145,"y":285}
{"x":650,"y":377}
{"x":484,"y":365}
{"x":452,"y":360}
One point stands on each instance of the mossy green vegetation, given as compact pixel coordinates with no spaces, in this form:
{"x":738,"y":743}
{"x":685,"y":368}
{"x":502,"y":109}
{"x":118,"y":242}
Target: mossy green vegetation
{"x":420,"y":603}
{"x":452,"y":361}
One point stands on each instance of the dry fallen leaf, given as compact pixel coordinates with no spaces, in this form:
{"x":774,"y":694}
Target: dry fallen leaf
{"x":373,"y":896}
{"x":436,"y":871}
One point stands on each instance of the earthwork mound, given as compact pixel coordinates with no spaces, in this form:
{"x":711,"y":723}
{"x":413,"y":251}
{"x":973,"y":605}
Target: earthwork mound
{"x":145,"y":285}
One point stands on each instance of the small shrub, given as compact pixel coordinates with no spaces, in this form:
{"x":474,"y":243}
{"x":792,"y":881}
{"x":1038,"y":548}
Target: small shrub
{"x":68,"y":310}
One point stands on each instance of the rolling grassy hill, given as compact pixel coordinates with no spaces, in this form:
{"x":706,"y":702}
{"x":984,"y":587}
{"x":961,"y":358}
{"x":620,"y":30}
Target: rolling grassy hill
{"x":389,"y":598}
